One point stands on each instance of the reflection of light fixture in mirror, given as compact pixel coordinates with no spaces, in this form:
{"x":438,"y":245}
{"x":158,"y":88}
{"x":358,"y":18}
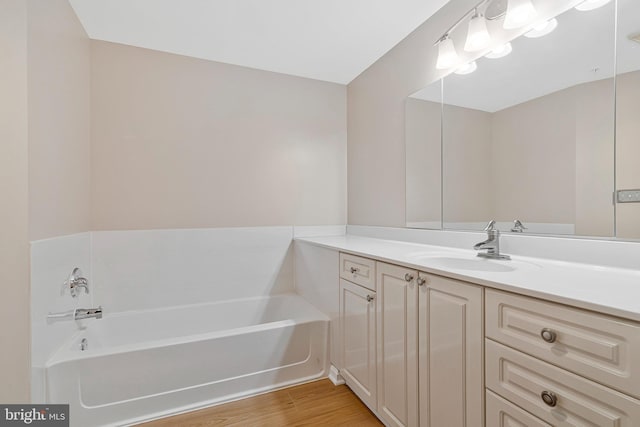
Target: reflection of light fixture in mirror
{"x":467,"y":68}
{"x":542,"y":29}
{"x":447,"y":55}
{"x":478,"y":37}
{"x":591,"y":4}
{"x":500,"y":51}
{"x":519,"y":13}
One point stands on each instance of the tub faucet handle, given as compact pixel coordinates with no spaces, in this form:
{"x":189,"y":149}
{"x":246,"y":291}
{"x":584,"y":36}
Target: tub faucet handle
{"x":75,"y":283}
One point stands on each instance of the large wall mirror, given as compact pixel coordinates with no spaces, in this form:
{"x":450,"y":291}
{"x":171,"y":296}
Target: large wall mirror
{"x":545,"y":135}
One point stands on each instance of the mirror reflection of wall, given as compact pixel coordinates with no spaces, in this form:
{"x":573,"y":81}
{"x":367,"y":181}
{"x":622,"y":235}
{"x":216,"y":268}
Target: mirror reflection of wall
{"x":628,"y":118}
{"x":423,"y":159}
{"x":530,"y":136}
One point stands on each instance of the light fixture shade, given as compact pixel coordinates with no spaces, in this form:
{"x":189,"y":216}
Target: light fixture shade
{"x":519,"y":14}
{"x":542,"y":29}
{"x":447,"y":55}
{"x":467,"y":68}
{"x":591,"y":4}
{"x":500,"y":51}
{"x":478,"y":36}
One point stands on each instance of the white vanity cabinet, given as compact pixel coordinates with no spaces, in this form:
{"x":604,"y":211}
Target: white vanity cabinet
{"x":397,"y":311}
{"x":563,"y":365}
{"x":357,"y":324}
{"x":412,"y":344}
{"x":451,"y":353}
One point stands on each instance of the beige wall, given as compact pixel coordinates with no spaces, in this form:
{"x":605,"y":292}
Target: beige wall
{"x":43,"y":158}
{"x":59,"y":61}
{"x":376,"y":121}
{"x":423,"y":151}
{"x":14,"y":226}
{"x":534,"y":155}
{"x":181,"y":142}
{"x":468,"y":190}
{"x":628,"y":152}
{"x":594,"y":149}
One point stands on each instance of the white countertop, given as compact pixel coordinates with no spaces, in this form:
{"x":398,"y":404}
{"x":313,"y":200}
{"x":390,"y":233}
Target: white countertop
{"x":614,"y":291}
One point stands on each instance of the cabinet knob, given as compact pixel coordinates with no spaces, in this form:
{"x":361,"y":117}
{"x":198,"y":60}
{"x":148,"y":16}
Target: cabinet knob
{"x":408,"y":277}
{"x":549,"y":398}
{"x":421,"y":281}
{"x":354,"y":270}
{"x":369,"y":298}
{"x":548,"y":335}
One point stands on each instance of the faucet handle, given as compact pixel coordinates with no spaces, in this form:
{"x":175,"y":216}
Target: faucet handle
{"x":518,"y":226}
{"x":75,"y":283}
{"x":490,"y":226}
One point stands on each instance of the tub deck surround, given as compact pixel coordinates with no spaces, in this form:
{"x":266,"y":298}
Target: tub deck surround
{"x":609,"y":290}
{"x":153,"y":363}
{"x":52,"y":260}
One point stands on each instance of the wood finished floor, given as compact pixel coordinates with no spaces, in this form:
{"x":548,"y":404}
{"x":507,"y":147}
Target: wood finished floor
{"x":319,"y":403}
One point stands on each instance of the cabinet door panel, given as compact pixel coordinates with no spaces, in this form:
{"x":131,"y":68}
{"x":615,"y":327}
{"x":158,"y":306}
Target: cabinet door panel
{"x":358,"y":323}
{"x":397,"y":344}
{"x":451,"y":353}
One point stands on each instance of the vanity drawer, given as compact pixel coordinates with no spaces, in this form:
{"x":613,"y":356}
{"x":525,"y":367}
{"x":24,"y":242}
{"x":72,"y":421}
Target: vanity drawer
{"x":523,"y":380}
{"x":502,"y":413}
{"x":361,"y":271}
{"x":599,"y":347}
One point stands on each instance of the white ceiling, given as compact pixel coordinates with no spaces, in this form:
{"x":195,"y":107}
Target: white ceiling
{"x":331,"y":40}
{"x":582,"y":43}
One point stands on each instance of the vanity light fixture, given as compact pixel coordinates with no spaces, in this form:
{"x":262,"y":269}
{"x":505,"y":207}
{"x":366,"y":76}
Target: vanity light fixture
{"x":542,"y":29}
{"x":500,"y":51}
{"x":478,"y":36}
{"x":591,"y":4}
{"x":447,"y":55}
{"x":519,"y":14}
{"x":467,"y":68}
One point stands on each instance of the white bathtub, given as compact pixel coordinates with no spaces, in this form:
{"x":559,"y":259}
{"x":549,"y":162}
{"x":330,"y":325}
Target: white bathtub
{"x":148,"y":364}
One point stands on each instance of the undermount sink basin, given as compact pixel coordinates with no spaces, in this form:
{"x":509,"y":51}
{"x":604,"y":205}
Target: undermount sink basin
{"x":478,"y":264}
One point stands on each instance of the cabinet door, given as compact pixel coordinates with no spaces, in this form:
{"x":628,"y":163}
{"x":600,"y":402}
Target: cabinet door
{"x":397,"y":345}
{"x":451,"y":353}
{"x":358,"y":332}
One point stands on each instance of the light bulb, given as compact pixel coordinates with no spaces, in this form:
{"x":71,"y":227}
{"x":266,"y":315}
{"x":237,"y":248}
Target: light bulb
{"x":542,"y":29}
{"x":467,"y":68}
{"x":519,"y":13}
{"x":447,"y":55}
{"x":500,"y":51}
{"x":478,"y":37}
{"x":591,"y":4}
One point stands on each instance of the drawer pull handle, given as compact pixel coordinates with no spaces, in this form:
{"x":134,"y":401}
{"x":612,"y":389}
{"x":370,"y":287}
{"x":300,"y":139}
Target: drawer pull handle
{"x":408,"y":277}
{"x":548,"y":335}
{"x":369,"y":298}
{"x":549,"y":398}
{"x":354,"y":270}
{"x":421,"y":281}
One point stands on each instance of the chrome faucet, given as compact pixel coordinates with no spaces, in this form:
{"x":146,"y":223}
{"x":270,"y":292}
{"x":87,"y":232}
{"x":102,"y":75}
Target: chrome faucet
{"x":518,"y":226}
{"x":492,"y":244}
{"x":77,"y":314}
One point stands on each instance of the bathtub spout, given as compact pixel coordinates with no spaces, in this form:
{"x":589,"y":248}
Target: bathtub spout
{"x":77,"y":314}
{"x":88,"y":313}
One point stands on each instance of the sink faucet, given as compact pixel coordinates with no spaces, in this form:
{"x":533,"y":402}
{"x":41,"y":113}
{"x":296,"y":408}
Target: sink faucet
{"x":77,"y":314}
{"x":492,"y":244}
